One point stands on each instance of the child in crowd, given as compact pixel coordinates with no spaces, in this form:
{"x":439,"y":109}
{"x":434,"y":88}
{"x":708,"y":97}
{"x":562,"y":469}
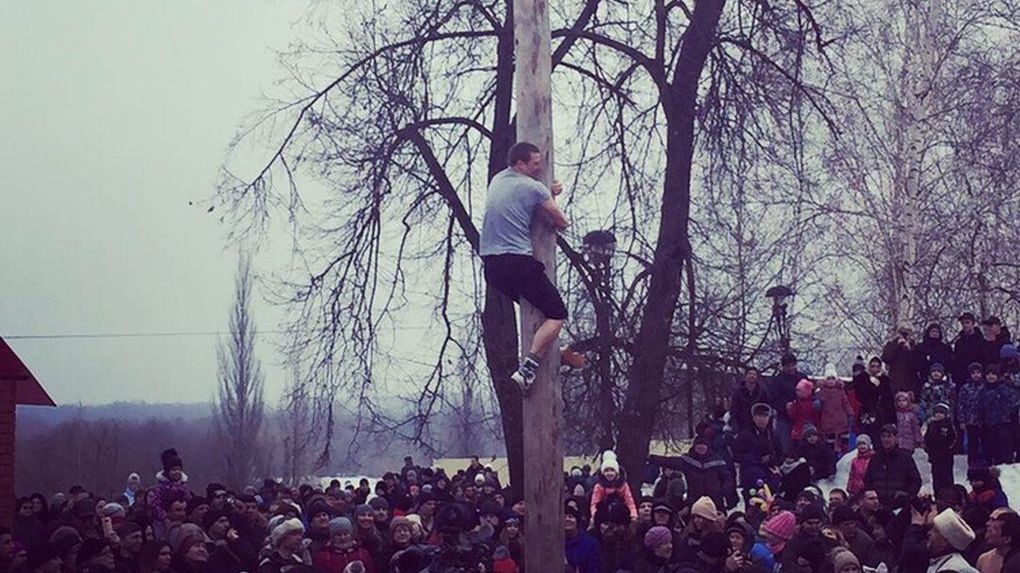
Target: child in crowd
{"x":907,"y":423}
{"x":967,"y":407}
{"x":996,"y":404}
{"x":859,"y":465}
{"x":936,"y":390}
{"x":611,"y":483}
{"x":940,"y":443}
{"x":836,"y":412}
{"x":819,"y":454}
{"x":804,"y":410}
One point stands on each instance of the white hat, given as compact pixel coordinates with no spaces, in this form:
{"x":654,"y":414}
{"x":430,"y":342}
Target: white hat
{"x":134,"y":477}
{"x":830,"y":371}
{"x":609,"y":461}
{"x":954,"y":529}
{"x":280,"y":531}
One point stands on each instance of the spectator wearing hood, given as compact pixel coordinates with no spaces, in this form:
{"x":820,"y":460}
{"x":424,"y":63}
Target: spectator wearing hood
{"x":748,"y":392}
{"x":820,"y":456}
{"x":705,"y":472}
{"x":892,"y":471}
{"x":836,"y":412}
{"x":934,"y":350}
{"x":742,"y":539}
{"x":803,"y":410}
{"x":904,"y":361}
{"x":859,"y":465}
{"x":936,"y":390}
{"x":874,"y":391}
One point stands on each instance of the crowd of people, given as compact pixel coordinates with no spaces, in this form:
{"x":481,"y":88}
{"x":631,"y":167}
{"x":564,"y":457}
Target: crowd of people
{"x":753,"y":494}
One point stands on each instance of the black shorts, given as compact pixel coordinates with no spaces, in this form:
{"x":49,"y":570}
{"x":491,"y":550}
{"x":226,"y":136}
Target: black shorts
{"x":522,"y":276}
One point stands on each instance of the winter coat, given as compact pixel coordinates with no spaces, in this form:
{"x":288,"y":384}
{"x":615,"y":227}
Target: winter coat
{"x":332,"y":559}
{"x":672,"y":489}
{"x":604,"y":489}
{"x":968,"y":404}
{"x":794,"y":548}
{"x":741,"y":403}
{"x":858,"y":469}
{"x":904,"y":364}
{"x":582,"y":553}
{"x":796,"y":476}
{"x":835,"y":411}
{"x":909,"y":426}
{"x":757,"y":452}
{"x":934,"y":351}
{"x":967,"y":349}
{"x":803,"y":411}
{"x":996,"y":403}
{"x":940,"y":439}
{"x":781,"y":390}
{"x":706,"y":475}
{"x":821,"y":458}
{"x":649,"y":563}
{"x":893,"y":472}
{"x":990,"y":497}
{"x":166,"y":490}
{"x":990,"y":348}
{"x":877,"y":406}
{"x":931,"y":394}
{"x":275,"y":563}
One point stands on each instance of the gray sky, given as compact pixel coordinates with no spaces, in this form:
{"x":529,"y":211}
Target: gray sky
{"x":115,"y":114}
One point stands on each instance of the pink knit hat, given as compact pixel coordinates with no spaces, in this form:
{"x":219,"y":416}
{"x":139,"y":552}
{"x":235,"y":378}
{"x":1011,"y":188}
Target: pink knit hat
{"x":783,"y":526}
{"x":804,"y":388}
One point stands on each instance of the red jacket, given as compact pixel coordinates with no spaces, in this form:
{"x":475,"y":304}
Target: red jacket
{"x":802,"y":412}
{"x":836,"y":410}
{"x":858,"y":467}
{"x":334,"y":560}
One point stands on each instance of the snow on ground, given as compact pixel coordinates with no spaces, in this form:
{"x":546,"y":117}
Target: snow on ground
{"x":1010,"y":476}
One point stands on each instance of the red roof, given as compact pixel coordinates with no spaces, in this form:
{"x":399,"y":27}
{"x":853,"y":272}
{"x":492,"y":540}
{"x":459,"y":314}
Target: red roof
{"x":13,"y":371}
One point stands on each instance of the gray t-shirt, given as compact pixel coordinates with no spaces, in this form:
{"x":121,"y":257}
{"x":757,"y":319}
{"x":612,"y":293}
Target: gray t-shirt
{"x":509,"y":207}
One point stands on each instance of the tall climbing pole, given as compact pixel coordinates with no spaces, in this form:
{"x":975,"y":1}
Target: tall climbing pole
{"x":543,"y":406}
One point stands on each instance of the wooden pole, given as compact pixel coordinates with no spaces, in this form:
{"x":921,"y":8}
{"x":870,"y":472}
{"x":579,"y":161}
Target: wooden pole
{"x":543,"y":407}
{"x":8,"y":426}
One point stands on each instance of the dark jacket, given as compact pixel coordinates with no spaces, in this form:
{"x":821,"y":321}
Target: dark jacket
{"x":865,"y":548}
{"x":940,"y":439}
{"x":967,"y":349}
{"x":757,"y":452}
{"x":996,"y":403}
{"x":892,"y":473}
{"x":876,"y":401}
{"x":904,"y":363}
{"x":932,"y":350}
{"x":781,"y":390}
{"x":740,"y":405}
{"x":990,"y":348}
{"x":582,"y":552}
{"x":820,"y":457}
{"x":705,"y":475}
{"x":794,"y":549}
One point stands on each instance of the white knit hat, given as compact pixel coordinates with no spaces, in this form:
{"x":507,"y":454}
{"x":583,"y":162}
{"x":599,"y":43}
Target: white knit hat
{"x":830,"y":371}
{"x":609,"y":461}
{"x":954,"y":529}
{"x":280,"y":531}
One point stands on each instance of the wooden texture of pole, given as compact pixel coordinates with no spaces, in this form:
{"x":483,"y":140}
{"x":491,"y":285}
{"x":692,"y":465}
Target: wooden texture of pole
{"x":543,"y":407}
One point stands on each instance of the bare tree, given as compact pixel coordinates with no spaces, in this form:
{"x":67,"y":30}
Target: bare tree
{"x":240,"y":409}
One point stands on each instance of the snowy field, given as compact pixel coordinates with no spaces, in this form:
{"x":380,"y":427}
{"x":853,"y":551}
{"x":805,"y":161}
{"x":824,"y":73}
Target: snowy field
{"x":1010,"y":476}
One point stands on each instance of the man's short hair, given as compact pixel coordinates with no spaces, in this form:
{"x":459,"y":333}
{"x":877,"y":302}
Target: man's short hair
{"x":521,"y":152}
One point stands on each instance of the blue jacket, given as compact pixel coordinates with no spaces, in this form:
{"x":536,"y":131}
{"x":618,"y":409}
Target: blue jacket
{"x":967,"y":404}
{"x":583,"y":553}
{"x":997,"y":403}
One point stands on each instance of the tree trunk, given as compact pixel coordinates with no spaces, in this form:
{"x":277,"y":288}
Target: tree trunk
{"x":672,"y":245}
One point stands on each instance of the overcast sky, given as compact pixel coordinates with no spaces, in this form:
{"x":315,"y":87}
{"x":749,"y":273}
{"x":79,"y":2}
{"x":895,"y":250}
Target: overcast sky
{"x":115,"y":114}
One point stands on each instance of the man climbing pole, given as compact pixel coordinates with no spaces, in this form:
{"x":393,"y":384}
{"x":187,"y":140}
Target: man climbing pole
{"x":515,"y":198}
